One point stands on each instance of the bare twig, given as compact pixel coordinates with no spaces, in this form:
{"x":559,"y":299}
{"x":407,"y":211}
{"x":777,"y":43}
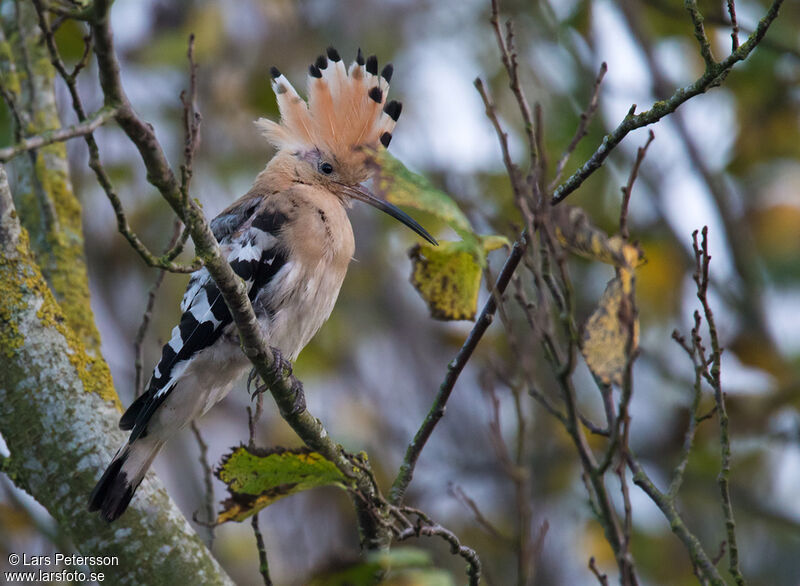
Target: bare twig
{"x":694,"y":420}
{"x":698,"y":556}
{"x":208,"y":481}
{"x":456,"y":548}
{"x":583,"y":126}
{"x":700,"y":33}
{"x":138,"y":382}
{"x":454,"y":369}
{"x":191,"y":122}
{"x":508,"y":55}
{"x":713,"y":377}
{"x":253,"y":415}
{"x":602,"y":578}
{"x":511,"y":167}
{"x":58,"y":134}
{"x":626,"y":191}
{"x":480,"y":518}
{"x":138,"y":349}
{"x":734,"y":24}
{"x":263,"y":563}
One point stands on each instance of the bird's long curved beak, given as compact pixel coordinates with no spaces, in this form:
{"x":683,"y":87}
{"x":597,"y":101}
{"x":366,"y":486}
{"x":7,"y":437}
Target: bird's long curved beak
{"x":361,"y":193}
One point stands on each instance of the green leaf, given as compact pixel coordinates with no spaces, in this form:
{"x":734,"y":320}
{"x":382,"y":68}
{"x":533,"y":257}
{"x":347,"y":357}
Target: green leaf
{"x":447,"y":276}
{"x":257,"y":478}
{"x":398,"y":185}
{"x":399,"y":567}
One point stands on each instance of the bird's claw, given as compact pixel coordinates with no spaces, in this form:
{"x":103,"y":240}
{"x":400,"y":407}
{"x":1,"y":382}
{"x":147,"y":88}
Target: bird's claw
{"x":282,"y":366}
{"x":299,"y":403}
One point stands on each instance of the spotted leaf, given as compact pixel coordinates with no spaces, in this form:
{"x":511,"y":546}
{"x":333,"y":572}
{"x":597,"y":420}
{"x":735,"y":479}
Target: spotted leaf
{"x":257,"y":478}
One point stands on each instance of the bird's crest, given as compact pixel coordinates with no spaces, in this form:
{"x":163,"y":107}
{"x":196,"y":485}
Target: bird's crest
{"x":346,"y":108}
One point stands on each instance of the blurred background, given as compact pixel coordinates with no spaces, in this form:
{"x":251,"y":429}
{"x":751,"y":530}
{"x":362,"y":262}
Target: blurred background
{"x":728,"y":159}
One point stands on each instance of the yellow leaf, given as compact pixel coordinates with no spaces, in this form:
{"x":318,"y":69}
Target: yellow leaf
{"x":577,"y":234}
{"x":448,"y":277}
{"x":606,"y":343}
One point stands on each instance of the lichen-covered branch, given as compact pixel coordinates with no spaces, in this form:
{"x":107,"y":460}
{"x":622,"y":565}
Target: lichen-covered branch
{"x":43,"y":192}
{"x":710,"y":78}
{"x":57,"y":135}
{"x":59,"y":423}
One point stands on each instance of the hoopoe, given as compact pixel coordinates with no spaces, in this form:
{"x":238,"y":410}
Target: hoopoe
{"x":288,"y":238}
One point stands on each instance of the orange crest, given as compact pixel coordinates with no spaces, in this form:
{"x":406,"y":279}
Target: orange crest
{"x":346,"y":108}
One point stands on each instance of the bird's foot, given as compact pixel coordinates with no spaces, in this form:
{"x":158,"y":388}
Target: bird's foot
{"x":299,"y":403}
{"x":282,"y":366}
{"x":253,"y":376}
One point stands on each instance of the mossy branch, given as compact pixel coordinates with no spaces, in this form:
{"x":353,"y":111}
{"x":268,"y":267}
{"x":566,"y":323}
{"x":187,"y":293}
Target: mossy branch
{"x":58,"y":419}
{"x":58,"y":134}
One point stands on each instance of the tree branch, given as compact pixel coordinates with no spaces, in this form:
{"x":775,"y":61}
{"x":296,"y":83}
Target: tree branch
{"x":58,"y":134}
{"x":406,"y":473}
{"x":60,"y":425}
{"x":660,"y":109}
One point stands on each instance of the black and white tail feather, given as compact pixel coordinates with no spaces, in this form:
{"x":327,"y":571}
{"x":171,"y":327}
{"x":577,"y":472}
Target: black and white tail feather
{"x":255,"y":258}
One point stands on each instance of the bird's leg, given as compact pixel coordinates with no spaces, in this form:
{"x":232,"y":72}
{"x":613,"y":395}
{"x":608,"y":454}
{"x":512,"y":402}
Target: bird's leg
{"x":282,"y":369}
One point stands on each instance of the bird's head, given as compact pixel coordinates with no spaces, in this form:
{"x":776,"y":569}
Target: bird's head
{"x":330,"y":140}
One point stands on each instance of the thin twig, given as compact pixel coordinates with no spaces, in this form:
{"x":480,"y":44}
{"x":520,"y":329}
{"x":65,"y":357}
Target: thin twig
{"x":138,"y":381}
{"x":491,"y":113}
{"x":454,"y":369}
{"x":694,"y":420}
{"x":734,"y":25}
{"x":456,"y":548}
{"x":477,"y":514}
{"x":698,"y":556}
{"x":508,"y":55}
{"x":700,"y":33}
{"x":191,"y":122}
{"x":602,"y":578}
{"x":626,"y":191}
{"x":263,"y":562}
{"x":138,"y":342}
{"x":713,"y":376}
{"x":58,"y":134}
{"x":583,"y":126}
{"x":208,"y":481}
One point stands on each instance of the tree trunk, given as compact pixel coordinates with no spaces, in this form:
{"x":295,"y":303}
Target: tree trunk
{"x":58,"y":406}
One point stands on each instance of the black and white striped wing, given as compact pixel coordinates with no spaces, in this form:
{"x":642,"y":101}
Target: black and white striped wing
{"x":255,"y":256}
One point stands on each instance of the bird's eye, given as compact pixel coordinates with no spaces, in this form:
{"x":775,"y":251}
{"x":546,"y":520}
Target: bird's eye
{"x":326,"y":168}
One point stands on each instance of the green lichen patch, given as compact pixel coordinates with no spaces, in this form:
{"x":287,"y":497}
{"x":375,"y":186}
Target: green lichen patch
{"x":21,"y":285}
